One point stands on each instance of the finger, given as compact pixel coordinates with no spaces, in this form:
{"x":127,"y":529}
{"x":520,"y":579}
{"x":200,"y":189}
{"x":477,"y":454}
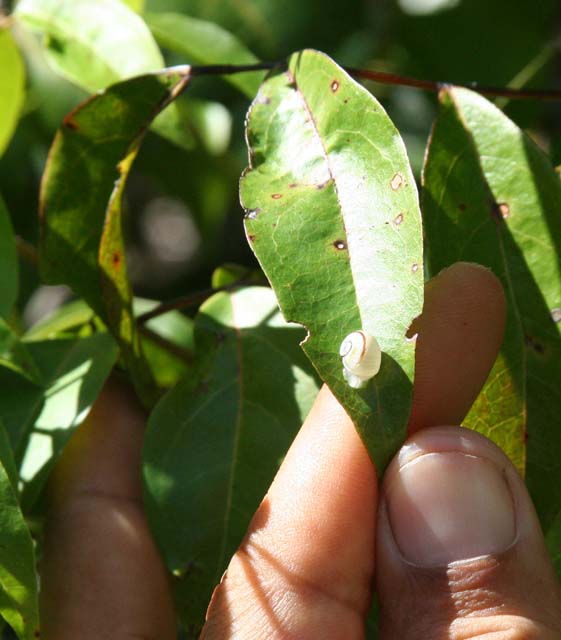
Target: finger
{"x":101,"y":575}
{"x":306,"y":563}
{"x":305,"y":567}
{"x":459,"y":335}
{"x":460,"y":550}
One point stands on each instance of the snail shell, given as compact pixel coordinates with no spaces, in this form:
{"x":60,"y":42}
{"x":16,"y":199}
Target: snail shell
{"x":361,"y":356}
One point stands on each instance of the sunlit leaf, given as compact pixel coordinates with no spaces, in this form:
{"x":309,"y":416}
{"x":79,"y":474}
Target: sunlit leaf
{"x":81,"y":196}
{"x":205,"y":43}
{"x":73,"y":372}
{"x":8,"y":259}
{"x":18,"y":582}
{"x":215,"y":441}
{"x":332,"y":214}
{"x":491,"y":196}
{"x":96,"y":44}
{"x":135,"y":5}
{"x":12,"y":85}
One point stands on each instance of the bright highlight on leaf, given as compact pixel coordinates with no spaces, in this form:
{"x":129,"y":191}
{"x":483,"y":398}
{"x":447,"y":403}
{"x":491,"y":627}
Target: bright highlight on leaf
{"x":12,"y":85}
{"x":332,"y":214}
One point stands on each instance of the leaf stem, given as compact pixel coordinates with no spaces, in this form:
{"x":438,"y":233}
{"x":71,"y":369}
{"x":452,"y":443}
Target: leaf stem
{"x":27,"y":252}
{"x":191,"y":300}
{"x":174,"y":349}
{"x":384,"y":77}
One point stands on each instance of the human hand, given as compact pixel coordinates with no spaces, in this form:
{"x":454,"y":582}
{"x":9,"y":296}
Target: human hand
{"x":452,"y":534}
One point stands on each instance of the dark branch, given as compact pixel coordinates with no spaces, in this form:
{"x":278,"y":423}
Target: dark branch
{"x":392,"y":79}
{"x":191,"y":300}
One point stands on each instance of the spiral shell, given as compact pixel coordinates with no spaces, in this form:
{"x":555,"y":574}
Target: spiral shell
{"x":361,"y":357}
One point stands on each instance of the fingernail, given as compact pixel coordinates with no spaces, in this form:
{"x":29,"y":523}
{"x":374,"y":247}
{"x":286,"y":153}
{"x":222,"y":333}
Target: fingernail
{"x":450,"y":506}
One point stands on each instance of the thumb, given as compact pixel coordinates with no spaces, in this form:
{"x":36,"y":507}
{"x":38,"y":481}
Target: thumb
{"x":460,"y":553}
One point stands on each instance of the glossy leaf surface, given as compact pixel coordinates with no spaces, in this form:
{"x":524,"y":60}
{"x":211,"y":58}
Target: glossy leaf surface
{"x":191,"y":37}
{"x":215,"y":441}
{"x":12,"y":85}
{"x":332,"y":215}
{"x":81,"y":197}
{"x":491,"y":196}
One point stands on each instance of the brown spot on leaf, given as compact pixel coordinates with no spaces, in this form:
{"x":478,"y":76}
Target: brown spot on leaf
{"x":345,"y":100}
{"x":556,"y":315}
{"x":398,"y":219}
{"x":397,"y":182}
{"x":340,"y":245}
{"x":334,"y":85}
{"x":293,"y":185}
{"x":116,"y":260}
{"x":251,"y":237}
{"x":414,"y":267}
{"x":462,"y":206}
{"x":276,"y":196}
{"x":533,"y":344}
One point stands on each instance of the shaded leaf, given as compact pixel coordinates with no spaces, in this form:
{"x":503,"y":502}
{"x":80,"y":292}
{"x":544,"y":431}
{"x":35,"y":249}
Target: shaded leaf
{"x":169,"y":360}
{"x":204,"y":42}
{"x":491,"y":196}
{"x":81,"y":196}
{"x":332,"y":215}
{"x":65,"y":320}
{"x":8,"y":257}
{"x":73,"y":372}
{"x":230,"y":273}
{"x":18,"y":581}
{"x":96,"y":44}
{"x":215,"y":441}
{"x":14,"y":353}
{"x":12,"y":86}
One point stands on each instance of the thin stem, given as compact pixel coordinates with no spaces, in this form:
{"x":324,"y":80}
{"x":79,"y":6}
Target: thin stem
{"x":179,"y":352}
{"x":191,"y":300}
{"x":394,"y":79}
{"x":27,"y":252}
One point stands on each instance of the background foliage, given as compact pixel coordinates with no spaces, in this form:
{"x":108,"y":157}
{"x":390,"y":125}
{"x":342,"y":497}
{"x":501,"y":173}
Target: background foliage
{"x":184,"y":233}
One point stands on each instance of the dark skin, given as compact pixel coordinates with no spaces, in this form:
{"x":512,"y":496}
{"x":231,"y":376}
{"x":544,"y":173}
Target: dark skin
{"x":306,"y":567}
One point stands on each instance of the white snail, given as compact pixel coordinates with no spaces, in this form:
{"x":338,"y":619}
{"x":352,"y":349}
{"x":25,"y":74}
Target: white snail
{"x":361,"y":356}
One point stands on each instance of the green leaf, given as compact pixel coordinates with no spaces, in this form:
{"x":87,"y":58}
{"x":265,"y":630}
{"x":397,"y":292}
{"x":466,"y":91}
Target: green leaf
{"x":169,"y":360}
{"x":204,"y":42}
{"x":135,"y":5}
{"x":230,"y":273}
{"x":73,"y":372}
{"x":18,"y":581}
{"x":96,"y":44}
{"x":12,"y":86}
{"x":14,"y":353}
{"x":67,"y":319}
{"x":332,"y":214}
{"x":81,"y":198}
{"x":491,"y":196}
{"x":8,"y":258}
{"x":215,"y":442}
